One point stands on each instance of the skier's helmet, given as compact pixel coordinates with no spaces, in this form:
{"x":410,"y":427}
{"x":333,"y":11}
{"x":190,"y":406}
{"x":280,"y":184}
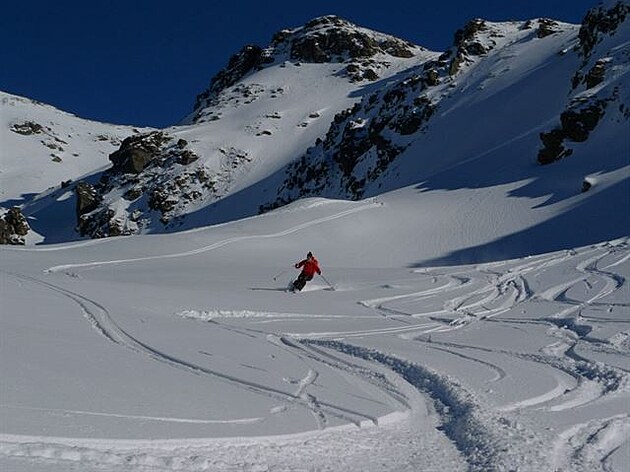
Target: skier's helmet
{"x":310,"y":254}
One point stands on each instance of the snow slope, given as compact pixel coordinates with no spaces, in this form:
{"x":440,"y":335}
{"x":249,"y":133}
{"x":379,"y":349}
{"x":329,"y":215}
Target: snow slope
{"x":181,"y":352}
{"x":61,"y":146}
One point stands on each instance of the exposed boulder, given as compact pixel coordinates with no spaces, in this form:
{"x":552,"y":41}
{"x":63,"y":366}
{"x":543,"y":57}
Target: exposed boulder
{"x":13,"y":227}
{"x":546,"y":27}
{"x":553,"y":148}
{"x":27,"y":128}
{"x":596,"y":75}
{"x":576,"y":123}
{"x":187,"y":157}
{"x":136,"y":152}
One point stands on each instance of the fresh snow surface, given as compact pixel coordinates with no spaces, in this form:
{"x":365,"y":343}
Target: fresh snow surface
{"x":186,"y":352}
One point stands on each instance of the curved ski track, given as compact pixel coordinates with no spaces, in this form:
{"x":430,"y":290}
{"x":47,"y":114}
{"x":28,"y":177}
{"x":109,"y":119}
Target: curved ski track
{"x":487,"y":437}
{"x":102,"y":322}
{"x":222,"y":243}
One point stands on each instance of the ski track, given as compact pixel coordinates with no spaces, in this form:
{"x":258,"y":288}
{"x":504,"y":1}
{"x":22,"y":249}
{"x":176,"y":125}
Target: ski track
{"x":589,"y":446}
{"x":104,"y":325}
{"x":478,"y":431}
{"x":478,"y":434}
{"x":339,"y":448}
{"x":135,"y":417}
{"x":219,"y":244}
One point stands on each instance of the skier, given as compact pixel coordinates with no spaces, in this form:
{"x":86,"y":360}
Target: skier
{"x":309,"y":266}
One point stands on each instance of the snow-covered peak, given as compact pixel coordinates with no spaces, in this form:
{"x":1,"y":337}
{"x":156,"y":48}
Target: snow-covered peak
{"x":326,"y":39}
{"x":334,"y":39}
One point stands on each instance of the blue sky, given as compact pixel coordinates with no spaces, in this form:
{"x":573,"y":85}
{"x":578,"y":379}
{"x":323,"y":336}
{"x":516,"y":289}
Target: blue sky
{"x":143,"y":62}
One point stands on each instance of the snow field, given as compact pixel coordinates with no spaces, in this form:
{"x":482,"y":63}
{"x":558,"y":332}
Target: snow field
{"x":480,"y":367}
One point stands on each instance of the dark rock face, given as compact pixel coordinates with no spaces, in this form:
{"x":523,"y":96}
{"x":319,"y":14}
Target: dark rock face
{"x":246,"y":60}
{"x":575,"y":125}
{"x":553,"y":149}
{"x":330,"y":38}
{"x":465,"y":38}
{"x":147,"y":168}
{"x":466,"y":34}
{"x":87,"y":198}
{"x":599,"y":22}
{"x":13,"y":227}
{"x":596,"y":75}
{"x":584,"y":113}
{"x":466,"y":44}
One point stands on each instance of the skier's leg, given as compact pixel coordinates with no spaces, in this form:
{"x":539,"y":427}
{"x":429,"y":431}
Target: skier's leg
{"x":299,"y":282}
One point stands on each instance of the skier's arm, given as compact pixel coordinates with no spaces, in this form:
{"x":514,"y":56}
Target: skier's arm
{"x":299,"y":264}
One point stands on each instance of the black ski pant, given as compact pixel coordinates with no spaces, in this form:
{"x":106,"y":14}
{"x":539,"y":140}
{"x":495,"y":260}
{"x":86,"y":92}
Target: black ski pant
{"x":300,"y":282}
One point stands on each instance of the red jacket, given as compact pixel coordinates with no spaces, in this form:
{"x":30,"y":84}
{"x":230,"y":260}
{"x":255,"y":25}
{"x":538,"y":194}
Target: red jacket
{"x":310,"y":266}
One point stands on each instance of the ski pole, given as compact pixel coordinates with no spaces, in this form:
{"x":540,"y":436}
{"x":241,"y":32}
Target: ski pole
{"x":278,"y":275}
{"x":326,"y":280}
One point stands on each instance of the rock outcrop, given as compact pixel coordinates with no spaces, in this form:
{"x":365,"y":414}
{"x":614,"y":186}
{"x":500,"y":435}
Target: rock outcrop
{"x":13,"y":227}
{"x":333,"y":39}
{"x":27,"y":128}
{"x":364,"y":141}
{"x":600,"y":22}
{"x":590,"y":96}
{"x":153,"y":172}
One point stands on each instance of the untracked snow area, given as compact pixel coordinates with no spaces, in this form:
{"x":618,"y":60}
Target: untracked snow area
{"x":186,"y":352}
